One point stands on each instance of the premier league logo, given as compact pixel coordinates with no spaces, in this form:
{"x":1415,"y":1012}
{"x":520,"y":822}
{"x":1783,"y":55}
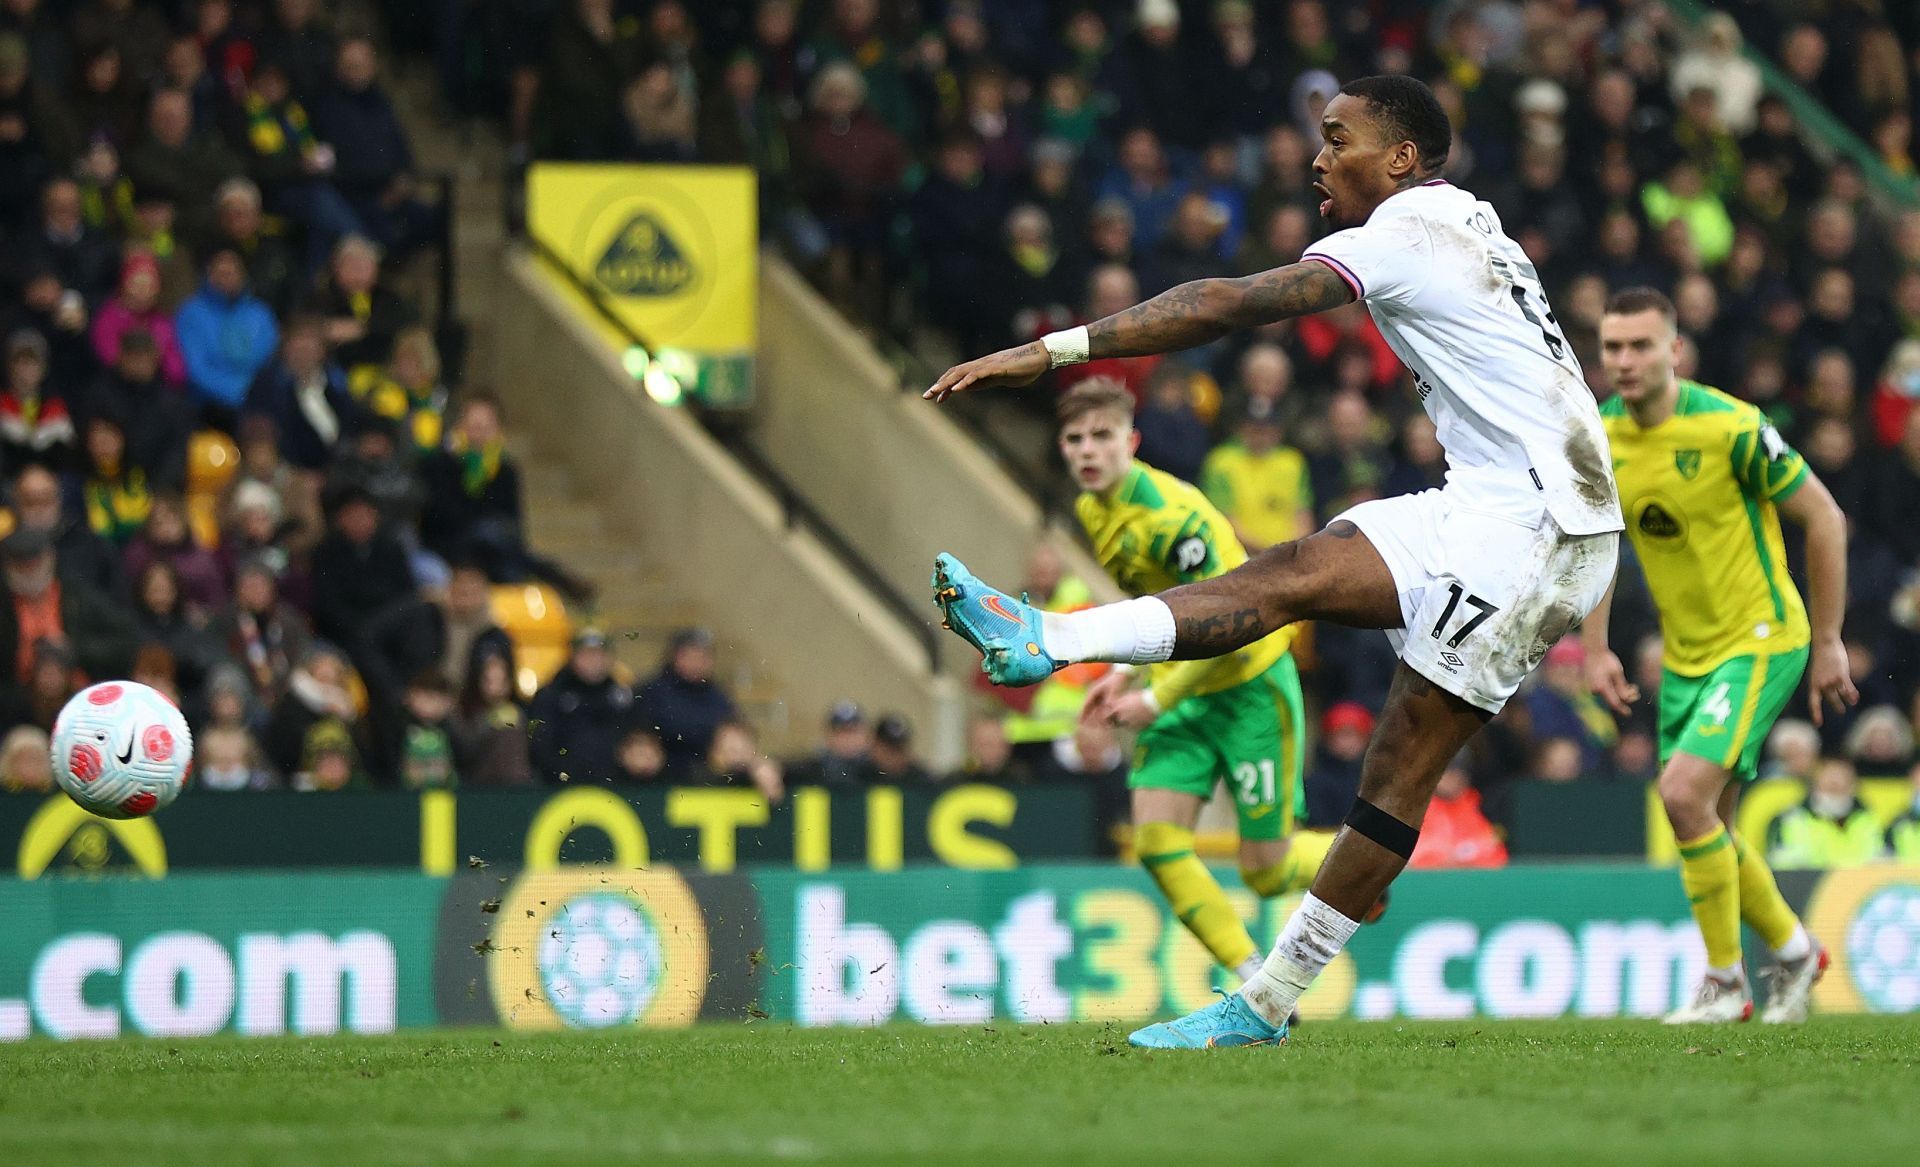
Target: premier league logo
{"x":600,"y":961}
{"x":1883,"y":949}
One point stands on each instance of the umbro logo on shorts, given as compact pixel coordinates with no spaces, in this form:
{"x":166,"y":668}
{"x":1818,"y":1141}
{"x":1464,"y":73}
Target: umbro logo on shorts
{"x":1451,"y":661}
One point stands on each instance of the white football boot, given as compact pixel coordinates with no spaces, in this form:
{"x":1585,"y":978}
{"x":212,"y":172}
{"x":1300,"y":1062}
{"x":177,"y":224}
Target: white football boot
{"x":1715,"y":1002}
{"x":1790,"y":987}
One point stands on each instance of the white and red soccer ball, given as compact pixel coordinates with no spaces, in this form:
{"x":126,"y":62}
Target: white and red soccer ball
{"x":121,"y":749}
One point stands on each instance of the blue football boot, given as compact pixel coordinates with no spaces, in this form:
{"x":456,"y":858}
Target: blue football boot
{"x":1005,"y":630}
{"x":1226,"y":1022}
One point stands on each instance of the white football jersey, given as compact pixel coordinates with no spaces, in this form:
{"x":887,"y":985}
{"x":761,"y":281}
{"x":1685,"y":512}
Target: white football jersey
{"x":1462,"y":307}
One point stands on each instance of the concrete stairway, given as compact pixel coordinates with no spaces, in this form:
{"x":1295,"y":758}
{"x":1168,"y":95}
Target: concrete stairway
{"x":637,"y":605}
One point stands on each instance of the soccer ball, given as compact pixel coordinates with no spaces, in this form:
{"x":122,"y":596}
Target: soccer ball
{"x":121,"y":749}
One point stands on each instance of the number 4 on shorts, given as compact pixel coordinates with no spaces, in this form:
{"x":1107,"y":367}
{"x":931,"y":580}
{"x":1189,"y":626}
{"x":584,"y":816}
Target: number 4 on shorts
{"x":1717,"y":706}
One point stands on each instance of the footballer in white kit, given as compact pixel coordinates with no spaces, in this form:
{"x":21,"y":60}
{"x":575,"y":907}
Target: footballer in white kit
{"x":1496,"y":565}
{"x":1473,"y":581}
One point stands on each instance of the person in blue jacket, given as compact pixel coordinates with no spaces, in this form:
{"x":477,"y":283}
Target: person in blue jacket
{"x":227,"y":335}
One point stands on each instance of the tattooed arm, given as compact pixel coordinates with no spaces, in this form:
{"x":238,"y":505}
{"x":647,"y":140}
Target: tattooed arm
{"x":1192,"y":314}
{"x":1206,"y":310}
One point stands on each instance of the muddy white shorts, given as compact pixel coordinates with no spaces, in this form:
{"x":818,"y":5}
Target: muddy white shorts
{"x":1483,"y":596}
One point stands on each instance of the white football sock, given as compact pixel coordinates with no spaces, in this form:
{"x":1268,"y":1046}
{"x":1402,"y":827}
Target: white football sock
{"x":1313,"y":937}
{"x":1731,"y":975}
{"x":1134,"y":632}
{"x":1249,"y":968}
{"x":1798,"y":946}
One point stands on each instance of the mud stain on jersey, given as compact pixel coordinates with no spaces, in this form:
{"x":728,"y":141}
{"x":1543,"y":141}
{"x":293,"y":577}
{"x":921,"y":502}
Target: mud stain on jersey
{"x":1592,"y":477}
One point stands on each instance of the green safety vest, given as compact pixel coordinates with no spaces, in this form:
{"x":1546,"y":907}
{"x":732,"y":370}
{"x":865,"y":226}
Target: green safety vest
{"x":1903,"y":837}
{"x":1802,"y":839}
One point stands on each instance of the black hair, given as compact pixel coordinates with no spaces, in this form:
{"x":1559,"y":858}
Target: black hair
{"x":1408,"y":112}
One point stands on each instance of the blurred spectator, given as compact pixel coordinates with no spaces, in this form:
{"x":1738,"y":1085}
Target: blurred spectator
{"x":1172,"y":436}
{"x":137,"y":306}
{"x":1562,"y":707}
{"x":1422,"y":464}
{"x":83,"y":557}
{"x":226,"y":759}
{"x":163,"y":616}
{"x":955,"y":208}
{"x":683,"y":703}
{"x":227,"y":335}
{"x":1333,"y":777}
{"x":735,"y":760}
{"x":1142,"y":181}
{"x":1880,"y":742}
{"x":259,"y":631}
{"x":1032,"y":278}
{"x":640,"y":759}
{"x":117,"y":492}
{"x":1260,"y":483}
{"x":1716,"y":64}
{"x":36,"y":605}
{"x":1191,"y":248}
{"x":373,"y":161}
{"x":494,"y":723}
{"x":1831,"y":829}
{"x":179,"y":162}
{"x":362,"y":315}
{"x":305,"y":396}
{"x":422,"y":751}
{"x":892,"y":752}
{"x":577,"y":720}
{"x":1793,"y":750}
{"x":990,"y":756}
{"x":166,"y":537}
{"x":409,"y":390}
{"x":473,"y":502}
{"x":466,"y":625}
{"x":293,"y":167}
{"x":359,"y":570}
{"x":26,"y":762}
{"x":83,"y":259}
{"x":35,"y":425}
{"x":1455,"y":833}
{"x":1896,"y":391}
{"x":1353,"y":466}
{"x":1112,"y":288}
{"x":272,"y":272}
{"x":315,"y":714}
{"x":843,"y":758}
{"x":155,"y":420}
{"x":590,"y":57}
{"x":851,"y":168}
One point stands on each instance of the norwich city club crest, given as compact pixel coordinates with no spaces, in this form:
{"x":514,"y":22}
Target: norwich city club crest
{"x":645,"y":260}
{"x":1687,"y":462}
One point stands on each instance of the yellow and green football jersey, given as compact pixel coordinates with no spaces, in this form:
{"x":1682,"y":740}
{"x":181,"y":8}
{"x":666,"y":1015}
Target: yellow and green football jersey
{"x":1154,"y":532}
{"x":1699,"y":492}
{"x":1264,"y":493}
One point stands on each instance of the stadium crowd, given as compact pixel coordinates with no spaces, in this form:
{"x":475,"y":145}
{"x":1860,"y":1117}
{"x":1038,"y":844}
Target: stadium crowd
{"x":235,"y":467}
{"x":1022,"y":165}
{"x":202,"y":201}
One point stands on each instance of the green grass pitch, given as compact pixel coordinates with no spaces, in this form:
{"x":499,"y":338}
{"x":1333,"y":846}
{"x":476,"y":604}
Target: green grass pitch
{"x":1840,"y":1090}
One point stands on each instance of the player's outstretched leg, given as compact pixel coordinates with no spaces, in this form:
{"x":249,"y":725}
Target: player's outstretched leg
{"x":1421,"y":728}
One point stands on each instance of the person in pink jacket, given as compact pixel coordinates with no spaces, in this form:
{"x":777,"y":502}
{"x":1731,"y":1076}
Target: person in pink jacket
{"x":137,"y":305}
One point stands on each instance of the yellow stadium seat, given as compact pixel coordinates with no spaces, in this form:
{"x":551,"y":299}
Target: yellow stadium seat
{"x":535,"y":618}
{"x":212,"y":461}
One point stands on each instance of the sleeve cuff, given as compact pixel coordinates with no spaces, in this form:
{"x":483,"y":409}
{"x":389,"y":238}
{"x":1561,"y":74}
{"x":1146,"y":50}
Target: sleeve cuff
{"x":1341,"y":270}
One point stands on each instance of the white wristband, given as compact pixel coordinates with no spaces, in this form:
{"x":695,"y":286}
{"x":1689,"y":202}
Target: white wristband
{"x":1067,"y":347}
{"x":1152,"y":702}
